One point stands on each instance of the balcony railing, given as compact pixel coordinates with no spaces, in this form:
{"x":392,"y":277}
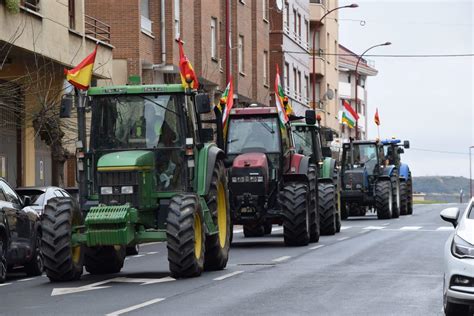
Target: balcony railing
{"x":97,"y":29}
{"x":31,"y":4}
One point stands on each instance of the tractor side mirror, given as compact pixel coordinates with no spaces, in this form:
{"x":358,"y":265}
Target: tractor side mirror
{"x":310,"y":117}
{"x":203,"y":104}
{"x":400,"y":150}
{"x":328,"y":135}
{"x":406,"y":144}
{"x":326,"y":152}
{"x":207,"y":135}
{"x":66,"y":106}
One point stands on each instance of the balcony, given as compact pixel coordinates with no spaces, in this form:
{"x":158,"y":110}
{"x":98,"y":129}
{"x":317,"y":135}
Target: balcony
{"x":320,"y":64}
{"x":97,"y":29}
{"x":316,"y":10}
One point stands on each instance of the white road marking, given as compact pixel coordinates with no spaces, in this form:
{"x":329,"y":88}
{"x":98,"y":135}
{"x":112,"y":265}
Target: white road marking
{"x":138,"y":256}
{"x":316,"y":247}
{"x":410,"y":228}
{"x":24,"y":280}
{"x":4,"y":284}
{"x":343,"y":238}
{"x":373,"y":227}
{"x":152,"y":253}
{"x":345,"y":227}
{"x":238,"y":231}
{"x":228,"y":275}
{"x":135,"y":307}
{"x":386,"y":224}
{"x":277,"y":229}
{"x":280,"y":259}
{"x":445,"y":228}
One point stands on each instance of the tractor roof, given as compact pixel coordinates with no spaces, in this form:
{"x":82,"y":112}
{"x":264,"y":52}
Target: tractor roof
{"x":362,"y":142}
{"x":138,"y":89}
{"x":253,"y":111}
{"x":391,"y":141}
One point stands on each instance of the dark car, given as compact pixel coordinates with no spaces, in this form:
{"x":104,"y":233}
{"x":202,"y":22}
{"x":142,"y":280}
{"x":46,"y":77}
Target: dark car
{"x":20,"y":234}
{"x":40,"y":196}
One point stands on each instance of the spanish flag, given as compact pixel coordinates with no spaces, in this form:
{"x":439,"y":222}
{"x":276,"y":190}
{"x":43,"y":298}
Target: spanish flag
{"x":377,"y":118}
{"x":186,"y":69}
{"x":80,"y":77}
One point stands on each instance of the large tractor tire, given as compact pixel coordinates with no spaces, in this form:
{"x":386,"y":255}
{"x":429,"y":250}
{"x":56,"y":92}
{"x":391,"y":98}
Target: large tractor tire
{"x":36,"y":265}
{"x":410,"y":195}
{"x":294,"y":202}
{"x":395,"y":196}
{"x":185,"y":236}
{"x":403,"y":198}
{"x":217,"y":199}
{"x":327,"y":208}
{"x":383,"y":199}
{"x":314,"y":230}
{"x":104,"y":259}
{"x":254,"y":231}
{"x":62,"y":261}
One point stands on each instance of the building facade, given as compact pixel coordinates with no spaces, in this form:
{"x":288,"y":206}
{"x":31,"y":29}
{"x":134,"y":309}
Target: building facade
{"x":146,"y":50}
{"x":38,"y":39}
{"x":326,"y":74}
{"x":347,"y":88}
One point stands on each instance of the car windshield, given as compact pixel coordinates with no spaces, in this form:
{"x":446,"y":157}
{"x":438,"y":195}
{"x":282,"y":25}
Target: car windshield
{"x":471,"y":212}
{"x":253,"y":134}
{"x":122,"y":122}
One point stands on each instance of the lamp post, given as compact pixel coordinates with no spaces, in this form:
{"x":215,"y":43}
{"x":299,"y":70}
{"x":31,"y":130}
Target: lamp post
{"x":470,"y":173}
{"x":354,"y":5}
{"x":357,"y":82}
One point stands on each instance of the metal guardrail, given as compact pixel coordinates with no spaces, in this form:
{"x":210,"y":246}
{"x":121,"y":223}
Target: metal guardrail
{"x":97,"y":29}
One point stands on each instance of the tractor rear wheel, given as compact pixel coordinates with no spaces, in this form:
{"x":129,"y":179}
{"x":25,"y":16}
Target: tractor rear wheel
{"x":314,"y":230}
{"x":62,"y":260}
{"x":383,"y":199}
{"x":185,"y":236}
{"x":104,"y":259}
{"x":294,"y":201}
{"x":254,"y":231}
{"x":395,"y":196}
{"x":410,"y":195}
{"x":218,"y":245}
{"x":327,"y":208}
{"x":403,"y":198}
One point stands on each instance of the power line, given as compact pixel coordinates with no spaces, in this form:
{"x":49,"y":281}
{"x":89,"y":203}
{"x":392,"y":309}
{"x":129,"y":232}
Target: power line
{"x":439,"y":151}
{"x":381,"y":55}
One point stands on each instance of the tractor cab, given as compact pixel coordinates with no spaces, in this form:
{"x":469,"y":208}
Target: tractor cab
{"x":393,"y":148}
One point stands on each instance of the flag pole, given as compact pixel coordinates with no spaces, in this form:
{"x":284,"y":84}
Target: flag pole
{"x":378,"y":130}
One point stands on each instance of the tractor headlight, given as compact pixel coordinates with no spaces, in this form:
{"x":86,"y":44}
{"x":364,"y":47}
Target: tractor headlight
{"x":106,"y":190}
{"x":462,"y":249}
{"x":127,"y":189}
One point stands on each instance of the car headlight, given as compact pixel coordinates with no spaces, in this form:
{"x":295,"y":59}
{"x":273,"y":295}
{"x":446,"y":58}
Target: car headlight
{"x":127,"y":190}
{"x":106,"y":190}
{"x":461,"y":248}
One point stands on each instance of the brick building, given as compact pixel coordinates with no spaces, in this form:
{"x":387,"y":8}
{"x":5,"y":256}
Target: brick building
{"x":146,"y":50}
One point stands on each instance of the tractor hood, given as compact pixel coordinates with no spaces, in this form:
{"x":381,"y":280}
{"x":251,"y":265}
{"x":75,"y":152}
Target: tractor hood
{"x":251,"y":160}
{"x":126,"y":160}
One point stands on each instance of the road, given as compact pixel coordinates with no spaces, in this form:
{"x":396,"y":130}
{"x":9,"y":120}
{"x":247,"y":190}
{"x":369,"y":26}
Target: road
{"x":373,"y":267}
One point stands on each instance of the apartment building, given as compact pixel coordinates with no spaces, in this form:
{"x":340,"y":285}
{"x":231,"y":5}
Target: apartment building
{"x":146,"y":50}
{"x":38,"y":39}
{"x":347,"y":87}
{"x":289,"y":46}
{"x":325,"y":47}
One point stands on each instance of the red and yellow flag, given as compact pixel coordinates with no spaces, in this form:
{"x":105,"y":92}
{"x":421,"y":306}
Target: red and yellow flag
{"x":227,"y":101}
{"x":80,"y":76}
{"x":279,"y":98}
{"x":186,"y":69}
{"x":377,"y":118}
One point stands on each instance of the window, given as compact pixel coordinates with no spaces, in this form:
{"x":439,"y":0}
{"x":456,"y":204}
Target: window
{"x":213,"y":38}
{"x":327,"y":46}
{"x":33,"y":5}
{"x":265,"y":9}
{"x":306,"y":27}
{"x":72,"y":14}
{"x":306,"y":84}
{"x":287,"y":16}
{"x":287,"y":76}
{"x":335,"y":54}
{"x":176,"y":19}
{"x":294,"y":21}
{"x":144,"y":7}
{"x":299,"y":25}
{"x":146,"y":23}
{"x":299,"y":83}
{"x":265,"y":67}
{"x":316,"y":45}
{"x":295,"y":81}
{"x":241,"y":54}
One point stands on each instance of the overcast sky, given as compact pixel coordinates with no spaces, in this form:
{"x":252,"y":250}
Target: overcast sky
{"x":428,"y":101}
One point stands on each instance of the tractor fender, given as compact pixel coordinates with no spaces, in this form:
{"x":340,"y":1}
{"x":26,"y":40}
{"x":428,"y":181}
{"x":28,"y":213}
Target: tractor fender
{"x":327,"y":169}
{"x":207,"y":158}
{"x":387,"y":172}
{"x":404,"y":172}
{"x":298,"y":169}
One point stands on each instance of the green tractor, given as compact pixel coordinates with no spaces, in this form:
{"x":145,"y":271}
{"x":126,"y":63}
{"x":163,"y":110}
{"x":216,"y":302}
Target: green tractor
{"x":151,"y":173}
{"x":312,"y":140}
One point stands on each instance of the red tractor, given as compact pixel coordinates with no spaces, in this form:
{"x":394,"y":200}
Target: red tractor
{"x":268,"y":182}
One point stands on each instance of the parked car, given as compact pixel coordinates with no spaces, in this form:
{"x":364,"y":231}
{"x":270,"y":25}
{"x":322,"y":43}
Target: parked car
{"x":20,"y":234}
{"x":458,"y":288}
{"x":40,"y":196}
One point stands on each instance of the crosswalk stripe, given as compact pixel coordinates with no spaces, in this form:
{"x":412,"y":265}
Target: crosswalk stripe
{"x":373,"y":227}
{"x":345,"y":227}
{"x":447,"y":228}
{"x":410,"y":228}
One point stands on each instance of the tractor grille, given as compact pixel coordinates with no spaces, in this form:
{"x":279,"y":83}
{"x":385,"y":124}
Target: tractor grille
{"x":116,"y":180}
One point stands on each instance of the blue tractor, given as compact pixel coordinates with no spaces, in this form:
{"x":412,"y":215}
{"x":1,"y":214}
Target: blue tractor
{"x":393,"y":148}
{"x":368,"y":182}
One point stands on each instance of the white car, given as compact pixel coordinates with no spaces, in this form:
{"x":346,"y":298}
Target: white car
{"x":458,"y":285}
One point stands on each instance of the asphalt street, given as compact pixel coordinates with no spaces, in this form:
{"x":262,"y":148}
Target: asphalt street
{"x":373,"y":267}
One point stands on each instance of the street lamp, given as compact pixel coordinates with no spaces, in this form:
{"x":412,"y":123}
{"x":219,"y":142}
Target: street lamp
{"x":357,"y":81}
{"x":354,"y":5}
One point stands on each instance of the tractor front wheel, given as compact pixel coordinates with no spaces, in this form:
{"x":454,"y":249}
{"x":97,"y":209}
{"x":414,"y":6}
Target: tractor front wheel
{"x":403,"y":199}
{"x":104,"y":259}
{"x":218,"y":245}
{"x":314,"y":230}
{"x":185,"y":236}
{"x":294,"y":201}
{"x":327,"y":208}
{"x":383,"y":199}
{"x":410,"y":195}
{"x":62,"y":260}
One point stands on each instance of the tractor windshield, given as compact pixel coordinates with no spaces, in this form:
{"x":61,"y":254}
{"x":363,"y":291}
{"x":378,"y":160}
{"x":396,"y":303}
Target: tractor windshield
{"x":126,"y":122}
{"x":303,"y":141}
{"x":253,"y":134}
{"x":362,"y":155}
